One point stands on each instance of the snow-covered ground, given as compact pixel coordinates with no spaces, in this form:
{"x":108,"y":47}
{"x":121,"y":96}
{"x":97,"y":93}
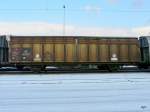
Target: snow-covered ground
{"x":103,"y":92}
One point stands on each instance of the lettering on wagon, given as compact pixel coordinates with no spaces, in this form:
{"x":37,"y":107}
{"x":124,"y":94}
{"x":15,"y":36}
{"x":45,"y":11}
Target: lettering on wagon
{"x":114,"y":57}
{"x":37,"y":57}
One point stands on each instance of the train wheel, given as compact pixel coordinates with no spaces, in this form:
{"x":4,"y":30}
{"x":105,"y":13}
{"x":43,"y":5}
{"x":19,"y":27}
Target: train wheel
{"x":20,"y":67}
{"x":113,"y":68}
{"x":143,"y":67}
{"x":43,"y":68}
{"x":102,"y":67}
{"x":36,"y":69}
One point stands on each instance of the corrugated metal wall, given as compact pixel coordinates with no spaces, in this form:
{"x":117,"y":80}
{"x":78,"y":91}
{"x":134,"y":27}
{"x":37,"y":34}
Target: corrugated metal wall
{"x":74,"y":49}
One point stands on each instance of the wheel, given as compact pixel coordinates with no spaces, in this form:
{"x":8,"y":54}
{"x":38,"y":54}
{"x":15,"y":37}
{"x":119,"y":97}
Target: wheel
{"x":36,"y":69}
{"x":143,"y":67}
{"x":43,"y":68}
{"x":113,"y":68}
{"x":102,"y":67}
{"x":20,"y":67}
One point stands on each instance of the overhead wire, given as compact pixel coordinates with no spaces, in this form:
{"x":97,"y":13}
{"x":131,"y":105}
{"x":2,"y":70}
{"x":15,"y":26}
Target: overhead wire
{"x":72,"y":10}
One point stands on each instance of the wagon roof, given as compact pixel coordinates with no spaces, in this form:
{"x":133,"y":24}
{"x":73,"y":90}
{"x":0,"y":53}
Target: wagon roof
{"x":81,"y":37}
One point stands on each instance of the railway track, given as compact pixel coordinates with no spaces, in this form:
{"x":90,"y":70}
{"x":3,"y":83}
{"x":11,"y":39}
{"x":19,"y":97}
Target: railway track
{"x":59,"y":71}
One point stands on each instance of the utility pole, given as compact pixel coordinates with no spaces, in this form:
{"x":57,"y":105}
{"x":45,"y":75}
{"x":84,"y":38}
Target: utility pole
{"x":64,"y":22}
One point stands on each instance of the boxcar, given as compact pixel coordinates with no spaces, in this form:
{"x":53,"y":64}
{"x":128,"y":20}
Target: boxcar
{"x":73,"y":51}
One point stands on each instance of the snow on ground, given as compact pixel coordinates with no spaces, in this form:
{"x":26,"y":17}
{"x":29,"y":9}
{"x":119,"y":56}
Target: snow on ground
{"x":103,"y":92}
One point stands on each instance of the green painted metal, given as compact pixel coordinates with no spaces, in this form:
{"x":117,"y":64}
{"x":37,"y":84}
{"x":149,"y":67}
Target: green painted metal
{"x":145,"y":49}
{"x":3,"y":50}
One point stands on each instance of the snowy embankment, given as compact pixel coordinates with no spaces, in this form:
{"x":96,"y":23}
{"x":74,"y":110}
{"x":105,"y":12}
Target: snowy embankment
{"x":120,"y":92}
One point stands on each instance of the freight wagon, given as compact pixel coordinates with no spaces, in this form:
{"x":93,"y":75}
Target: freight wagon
{"x":106,"y":53}
{"x":77,"y":51}
{"x":145,"y":51}
{"x":3,"y":50}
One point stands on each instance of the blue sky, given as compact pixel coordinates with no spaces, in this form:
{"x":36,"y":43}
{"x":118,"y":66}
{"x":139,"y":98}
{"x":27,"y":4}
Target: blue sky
{"x":112,"y":13}
{"x":85,"y":13}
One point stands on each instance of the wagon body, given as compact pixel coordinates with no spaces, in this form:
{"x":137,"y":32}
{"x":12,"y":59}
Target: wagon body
{"x":73,"y":50}
{"x":3,"y":50}
{"x":145,"y":50}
